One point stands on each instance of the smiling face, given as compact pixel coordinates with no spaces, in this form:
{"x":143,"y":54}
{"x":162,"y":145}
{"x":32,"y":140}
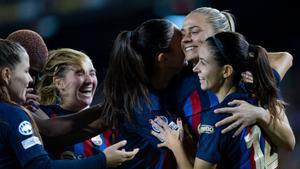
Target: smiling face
{"x":195,"y":31}
{"x":209,"y":72}
{"x":19,"y":79}
{"x":78,"y":86}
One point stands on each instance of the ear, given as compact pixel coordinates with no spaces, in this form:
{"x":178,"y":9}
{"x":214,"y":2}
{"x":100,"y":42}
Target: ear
{"x":227,"y":71}
{"x":6,"y":74}
{"x":58,"y":82}
{"x":161,"y":57}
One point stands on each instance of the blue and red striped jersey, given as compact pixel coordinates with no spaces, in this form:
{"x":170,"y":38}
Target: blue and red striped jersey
{"x":80,"y":150}
{"x":249,"y":150}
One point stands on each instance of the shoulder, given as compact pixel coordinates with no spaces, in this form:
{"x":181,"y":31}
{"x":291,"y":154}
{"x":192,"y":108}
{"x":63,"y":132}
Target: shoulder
{"x":10,"y":112}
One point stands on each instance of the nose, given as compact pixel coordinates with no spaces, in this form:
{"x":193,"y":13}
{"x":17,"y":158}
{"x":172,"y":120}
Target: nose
{"x":186,"y":38}
{"x":30,"y":79}
{"x":196,"y":68}
{"x":88,"y":78}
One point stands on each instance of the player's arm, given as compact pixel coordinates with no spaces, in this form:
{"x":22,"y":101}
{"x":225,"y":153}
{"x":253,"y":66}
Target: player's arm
{"x":172,"y":139}
{"x":71,"y":128}
{"x":245,"y":114}
{"x":281,"y":62}
{"x":201,"y":164}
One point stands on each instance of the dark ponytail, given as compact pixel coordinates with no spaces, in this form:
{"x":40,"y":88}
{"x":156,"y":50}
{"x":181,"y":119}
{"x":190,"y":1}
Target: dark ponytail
{"x":264,"y":81}
{"x":132,"y":63}
{"x":125,"y":81}
{"x":232,"y":48}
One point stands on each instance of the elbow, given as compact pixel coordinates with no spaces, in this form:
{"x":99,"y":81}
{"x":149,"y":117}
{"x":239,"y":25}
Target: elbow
{"x":289,"y":143}
{"x":289,"y":59}
{"x":292,"y":143}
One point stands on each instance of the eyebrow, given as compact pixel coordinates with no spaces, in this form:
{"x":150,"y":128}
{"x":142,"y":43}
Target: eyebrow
{"x":189,"y":27}
{"x":202,"y":59}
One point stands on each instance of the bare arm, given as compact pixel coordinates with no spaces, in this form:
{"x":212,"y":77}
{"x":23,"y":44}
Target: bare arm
{"x":201,"y":164}
{"x":71,"y":128}
{"x":172,"y":139}
{"x":281,"y":62}
{"x":279,"y":130}
{"x":245,"y":114}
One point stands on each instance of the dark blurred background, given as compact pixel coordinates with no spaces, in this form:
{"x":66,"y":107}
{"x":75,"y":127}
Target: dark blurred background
{"x":92,"y":25}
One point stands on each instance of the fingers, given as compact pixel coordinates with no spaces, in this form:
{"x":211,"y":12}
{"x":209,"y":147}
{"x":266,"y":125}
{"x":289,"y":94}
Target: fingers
{"x":128,"y":155}
{"x":227,"y":120}
{"x":180,"y":129}
{"x":231,"y":110}
{"x":156,"y":126}
{"x":29,"y":90}
{"x":119,"y":144}
{"x":231,"y":127}
{"x":32,"y":96}
{"x":238,"y":131}
{"x":247,"y":77}
{"x":161,"y":122}
{"x":159,"y":136}
{"x":236,"y":102}
{"x":160,"y":145}
{"x":225,"y":110}
{"x":179,"y":123}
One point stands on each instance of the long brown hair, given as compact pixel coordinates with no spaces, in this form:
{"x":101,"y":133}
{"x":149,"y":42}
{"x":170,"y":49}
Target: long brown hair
{"x":10,"y":53}
{"x":131,"y":65}
{"x":232,"y":48}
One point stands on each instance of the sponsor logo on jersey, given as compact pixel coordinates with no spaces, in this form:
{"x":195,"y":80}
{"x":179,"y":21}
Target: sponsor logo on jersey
{"x":31,"y":141}
{"x":208,"y":129}
{"x":25,"y":128}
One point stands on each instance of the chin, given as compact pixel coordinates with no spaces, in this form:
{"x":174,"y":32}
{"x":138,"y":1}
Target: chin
{"x":190,"y":56}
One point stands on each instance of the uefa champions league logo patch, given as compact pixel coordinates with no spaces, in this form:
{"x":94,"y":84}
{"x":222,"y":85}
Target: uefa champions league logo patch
{"x":25,"y":128}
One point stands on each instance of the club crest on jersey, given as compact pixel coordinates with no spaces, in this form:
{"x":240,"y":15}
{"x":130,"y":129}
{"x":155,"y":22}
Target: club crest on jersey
{"x":25,"y":128}
{"x":97,"y":140}
{"x":157,"y":122}
{"x":208,"y":129}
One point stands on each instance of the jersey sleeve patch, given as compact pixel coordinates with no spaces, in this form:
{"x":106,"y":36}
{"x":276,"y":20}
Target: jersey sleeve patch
{"x":25,"y":128}
{"x":31,"y":141}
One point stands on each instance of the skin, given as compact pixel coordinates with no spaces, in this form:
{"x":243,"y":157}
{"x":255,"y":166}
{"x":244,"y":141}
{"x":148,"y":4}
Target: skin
{"x":168,"y":63}
{"x":77,"y":89}
{"x":78,"y":86}
{"x":195,"y":30}
{"x":18,"y":79}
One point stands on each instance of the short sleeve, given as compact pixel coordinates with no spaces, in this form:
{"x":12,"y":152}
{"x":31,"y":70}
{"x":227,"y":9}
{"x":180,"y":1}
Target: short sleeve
{"x":208,"y":144}
{"x":22,"y":139}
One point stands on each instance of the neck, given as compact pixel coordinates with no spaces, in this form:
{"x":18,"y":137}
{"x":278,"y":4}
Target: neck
{"x":225,"y":90}
{"x":160,"y":80}
{"x":73,"y":108}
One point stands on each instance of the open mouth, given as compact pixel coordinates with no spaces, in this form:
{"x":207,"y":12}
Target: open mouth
{"x":86,"y":91}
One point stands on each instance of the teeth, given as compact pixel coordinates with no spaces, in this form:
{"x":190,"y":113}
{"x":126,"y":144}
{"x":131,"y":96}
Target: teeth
{"x":189,"y":48}
{"x":87,"y":94}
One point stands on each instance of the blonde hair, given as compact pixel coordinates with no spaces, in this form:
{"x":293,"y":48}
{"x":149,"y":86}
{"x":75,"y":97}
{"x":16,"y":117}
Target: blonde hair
{"x":58,"y":61}
{"x":220,"y":20}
